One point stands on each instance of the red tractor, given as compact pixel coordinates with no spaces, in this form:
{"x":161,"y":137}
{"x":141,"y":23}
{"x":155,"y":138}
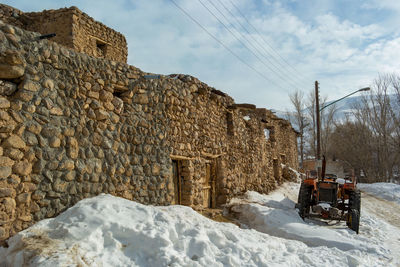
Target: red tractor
{"x":330,"y":198}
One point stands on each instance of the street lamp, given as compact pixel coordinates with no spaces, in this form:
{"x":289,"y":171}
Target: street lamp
{"x":359,"y":90}
{"x":318,"y":111}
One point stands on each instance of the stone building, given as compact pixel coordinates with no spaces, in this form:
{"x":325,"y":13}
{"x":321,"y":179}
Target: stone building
{"x":73,"y":126}
{"x":73,"y":28}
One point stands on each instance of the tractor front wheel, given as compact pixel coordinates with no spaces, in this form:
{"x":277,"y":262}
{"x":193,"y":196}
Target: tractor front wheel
{"x":355,"y":200}
{"x":353,"y":220}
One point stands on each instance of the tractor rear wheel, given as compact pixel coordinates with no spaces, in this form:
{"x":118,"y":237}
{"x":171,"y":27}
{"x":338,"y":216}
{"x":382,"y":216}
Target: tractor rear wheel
{"x":304,"y":200}
{"x":353,"y":220}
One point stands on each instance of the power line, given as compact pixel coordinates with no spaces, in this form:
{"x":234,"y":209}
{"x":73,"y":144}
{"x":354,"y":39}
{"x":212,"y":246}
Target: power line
{"x":256,"y":41}
{"x":270,"y":46}
{"x":238,"y":39}
{"x":280,"y":73}
{"x":227,"y":48}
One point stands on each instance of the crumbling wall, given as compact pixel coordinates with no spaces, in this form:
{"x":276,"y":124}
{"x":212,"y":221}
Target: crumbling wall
{"x":73,"y":126}
{"x":96,"y":39}
{"x":73,"y":28}
{"x":11,"y":15}
{"x":52,"y":21}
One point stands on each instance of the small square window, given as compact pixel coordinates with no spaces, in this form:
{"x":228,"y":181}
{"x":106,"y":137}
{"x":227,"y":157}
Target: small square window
{"x":101,"y":48}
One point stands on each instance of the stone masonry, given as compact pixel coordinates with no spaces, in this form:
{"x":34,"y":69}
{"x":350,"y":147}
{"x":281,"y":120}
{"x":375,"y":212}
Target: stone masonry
{"x":74,"y":126}
{"x":73,"y":28}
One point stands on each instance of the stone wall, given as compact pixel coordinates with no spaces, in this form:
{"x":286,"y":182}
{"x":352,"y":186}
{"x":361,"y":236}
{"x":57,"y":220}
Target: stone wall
{"x":52,"y":21}
{"x":74,"y":126}
{"x":11,"y":15}
{"x":73,"y":28}
{"x":96,"y":39}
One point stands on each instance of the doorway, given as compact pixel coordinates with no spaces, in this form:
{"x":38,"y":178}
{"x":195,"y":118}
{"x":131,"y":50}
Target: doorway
{"x":276,"y":169}
{"x":208,"y":190}
{"x":177,"y":182}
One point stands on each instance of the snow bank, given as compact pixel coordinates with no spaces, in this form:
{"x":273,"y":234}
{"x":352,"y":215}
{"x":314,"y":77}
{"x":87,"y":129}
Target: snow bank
{"x":386,"y":191}
{"x":110,"y":231}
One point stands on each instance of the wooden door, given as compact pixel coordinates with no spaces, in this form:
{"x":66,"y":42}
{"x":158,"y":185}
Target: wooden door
{"x":208,"y":187}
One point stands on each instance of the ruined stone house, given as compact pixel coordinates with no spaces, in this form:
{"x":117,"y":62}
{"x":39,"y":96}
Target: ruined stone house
{"x":76,"y":122}
{"x":73,"y":28}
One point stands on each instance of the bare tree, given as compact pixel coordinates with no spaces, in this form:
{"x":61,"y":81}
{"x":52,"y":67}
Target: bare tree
{"x":297,"y":99}
{"x":377,"y":113}
{"x":395,"y":79}
{"x":351,"y":143}
{"x":327,"y":128}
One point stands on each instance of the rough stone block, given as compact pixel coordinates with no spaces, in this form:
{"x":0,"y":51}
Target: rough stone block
{"x":93,"y":94}
{"x":24,"y":198}
{"x":106,"y":96}
{"x":34,"y":127}
{"x":15,"y":142}
{"x":24,"y":95}
{"x":118,"y":104}
{"x":48,"y":83}
{"x":13,"y":153}
{"x":25,"y":218}
{"x":101,"y":115}
{"x":6,"y":161}
{"x":11,"y":65}
{"x":7,"y":88}
{"x":7,"y":192}
{"x":31,"y":139}
{"x":141,"y":99}
{"x":29,"y":86}
{"x":54,"y":142}
{"x":56,"y":111}
{"x":66,"y":165}
{"x":22,"y":168}
{"x":70,"y":176}
{"x":4,"y":103}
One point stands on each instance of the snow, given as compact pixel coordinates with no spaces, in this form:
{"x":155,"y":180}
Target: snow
{"x":386,"y":191}
{"x":111,"y":231}
{"x":377,"y":244}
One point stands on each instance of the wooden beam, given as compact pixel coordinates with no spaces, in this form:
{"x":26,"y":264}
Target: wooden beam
{"x":177,"y":157}
{"x":213,"y":156}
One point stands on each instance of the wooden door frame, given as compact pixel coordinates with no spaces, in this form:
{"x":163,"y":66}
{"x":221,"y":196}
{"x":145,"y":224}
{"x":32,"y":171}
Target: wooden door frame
{"x":177,"y":179}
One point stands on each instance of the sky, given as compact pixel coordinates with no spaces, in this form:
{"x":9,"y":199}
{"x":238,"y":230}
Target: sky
{"x":257,"y":51}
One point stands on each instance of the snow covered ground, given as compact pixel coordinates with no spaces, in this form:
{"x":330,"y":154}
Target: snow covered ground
{"x":386,"y":191}
{"x":111,"y":231}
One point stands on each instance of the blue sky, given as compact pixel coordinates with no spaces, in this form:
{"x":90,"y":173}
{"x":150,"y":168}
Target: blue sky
{"x":342,"y":44}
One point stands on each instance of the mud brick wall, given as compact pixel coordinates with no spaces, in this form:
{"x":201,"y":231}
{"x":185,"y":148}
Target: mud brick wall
{"x":74,"y":126}
{"x":73,"y":28}
{"x":52,"y":21}
{"x":96,"y":39}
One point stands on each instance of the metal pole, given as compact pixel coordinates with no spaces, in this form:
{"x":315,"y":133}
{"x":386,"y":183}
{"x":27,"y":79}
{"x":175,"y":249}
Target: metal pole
{"x":318,"y":121}
{"x":318,"y":127}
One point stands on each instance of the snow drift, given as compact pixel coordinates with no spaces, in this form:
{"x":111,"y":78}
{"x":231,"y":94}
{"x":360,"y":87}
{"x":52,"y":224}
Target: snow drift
{"x":111,"y":231}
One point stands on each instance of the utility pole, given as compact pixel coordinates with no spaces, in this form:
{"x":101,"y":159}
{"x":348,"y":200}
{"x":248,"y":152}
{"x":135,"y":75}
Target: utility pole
{"x":318,"y":127}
